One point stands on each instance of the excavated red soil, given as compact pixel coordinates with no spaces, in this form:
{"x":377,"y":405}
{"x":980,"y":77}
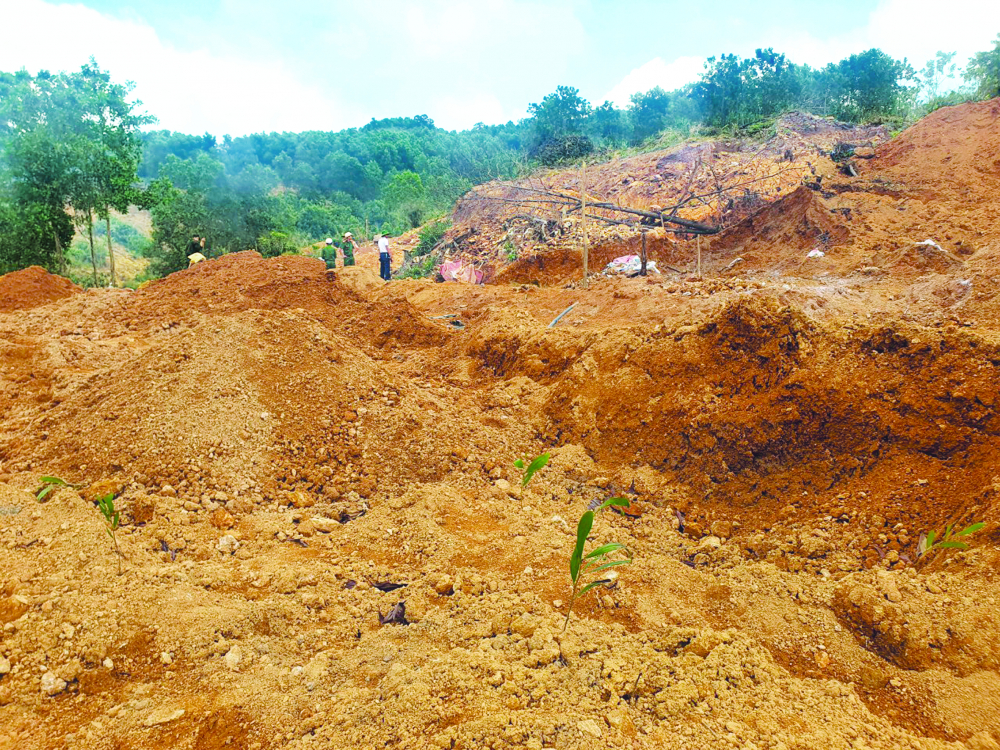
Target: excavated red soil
{"x":294,"y":454}
{"x":32,"y":287}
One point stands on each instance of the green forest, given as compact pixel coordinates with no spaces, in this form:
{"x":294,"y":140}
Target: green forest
{"x":75,"y":149}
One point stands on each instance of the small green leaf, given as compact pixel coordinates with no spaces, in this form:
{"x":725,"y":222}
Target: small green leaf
{"x":947,"y":531}
{"x":970,"y":529}
{"x":612,"y":564}
{"x":930,"y":539}
{"x":44,"y":492}
{"x":535,"y":465}
{"x":619,"y":501}
{"x":54,"y":480}
{"x":582,"y":530}
{"x":605,"y":550}
{"x":589,"y":586}
{"x":952,"y":545}
{"x":519,"y":463}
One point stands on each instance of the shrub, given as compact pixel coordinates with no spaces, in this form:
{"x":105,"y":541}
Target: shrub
{"x":420,"y":269}
{"x":563,"y":149}
{"x":430,"y":235}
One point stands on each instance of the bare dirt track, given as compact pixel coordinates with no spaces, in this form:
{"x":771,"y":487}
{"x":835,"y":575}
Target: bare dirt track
{"x":294,"y":455}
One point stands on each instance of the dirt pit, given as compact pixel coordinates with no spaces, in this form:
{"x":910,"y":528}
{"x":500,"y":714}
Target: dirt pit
{"x":295,"y":456}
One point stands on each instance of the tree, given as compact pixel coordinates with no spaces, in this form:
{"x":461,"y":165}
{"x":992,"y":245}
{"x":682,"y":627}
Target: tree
{"x":559,"y":114}
{"x":114,"y":138}
{"x":983,"y":71}
{"x":609,"y":124}
{"x":71,"y":139}
{"x":32,"y":234}
{"x":738,"y":92}
{"x":935,"y":72}
{"x":404,"y":195}
{"x":41,"y":180}
{"x":869,"y":86}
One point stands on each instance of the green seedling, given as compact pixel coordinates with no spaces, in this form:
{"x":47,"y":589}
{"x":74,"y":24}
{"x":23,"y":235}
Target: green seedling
{"x":49,"y":485}
{"x":529,"y":468}
{"x":582,"y":567}
{"x":948,"y":540}
{"x":106,"y":505}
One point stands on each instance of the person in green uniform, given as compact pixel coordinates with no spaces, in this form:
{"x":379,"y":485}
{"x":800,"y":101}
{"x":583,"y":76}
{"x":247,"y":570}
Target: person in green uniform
{"x":329,"y":255}
{"x":347,"y":247}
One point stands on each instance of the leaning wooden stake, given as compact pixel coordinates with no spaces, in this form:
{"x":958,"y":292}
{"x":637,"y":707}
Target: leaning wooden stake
{"x":111,"y":252}
{"x":642,"y":269}
{"x":698,"y":239}
{"x":93,"y":255}
{"x":583,"y":218}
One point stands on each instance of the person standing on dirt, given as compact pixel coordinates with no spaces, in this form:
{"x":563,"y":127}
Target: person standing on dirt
{"x":329,"y":255}
{"x":385,"y":270}
{"x":347,"y":247}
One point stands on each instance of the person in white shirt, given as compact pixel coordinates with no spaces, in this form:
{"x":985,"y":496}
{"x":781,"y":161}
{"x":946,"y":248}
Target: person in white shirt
{"x":383,"y":258}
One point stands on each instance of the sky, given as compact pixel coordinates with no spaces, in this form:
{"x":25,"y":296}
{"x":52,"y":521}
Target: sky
{"x":244,"y":66}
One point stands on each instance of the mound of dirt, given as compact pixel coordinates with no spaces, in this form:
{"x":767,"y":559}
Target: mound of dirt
{"x":32,"y":287}
{"x":920,"y":258}
{"x":241,"y":281}
{"x":958,"y":147}
{"x":780,"y":236}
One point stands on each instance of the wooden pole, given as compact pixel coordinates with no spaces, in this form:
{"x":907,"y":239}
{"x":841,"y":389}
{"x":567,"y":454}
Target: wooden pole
{"x":698,"y":240}
{"x":93,"y":255}
{"x":111,"y":252}
{"x":642,"y":269}
{"x":583,"y":218}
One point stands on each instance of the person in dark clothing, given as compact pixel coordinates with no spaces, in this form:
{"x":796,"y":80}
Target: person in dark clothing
{"x":195,"y":250}
{"x":385,"y":270}
{"x":196,"y":245}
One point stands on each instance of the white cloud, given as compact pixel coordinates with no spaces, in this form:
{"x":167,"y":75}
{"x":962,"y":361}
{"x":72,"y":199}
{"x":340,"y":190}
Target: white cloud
{"x":656,"y":72}
{"x":917,"y":29}
{"x":914,"y":29}
{"x":461,"y":113}
{"x":190,"y":90}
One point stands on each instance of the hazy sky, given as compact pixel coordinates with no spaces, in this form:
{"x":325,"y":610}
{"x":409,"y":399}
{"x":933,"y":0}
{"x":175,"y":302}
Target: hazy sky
{"x":242,"y":66}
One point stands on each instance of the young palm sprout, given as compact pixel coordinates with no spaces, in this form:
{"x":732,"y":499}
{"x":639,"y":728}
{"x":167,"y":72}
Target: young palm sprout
{"x":582,"y":567}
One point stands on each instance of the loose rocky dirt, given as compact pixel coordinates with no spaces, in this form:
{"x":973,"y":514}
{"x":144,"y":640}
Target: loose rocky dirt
{"x":294,"y":455}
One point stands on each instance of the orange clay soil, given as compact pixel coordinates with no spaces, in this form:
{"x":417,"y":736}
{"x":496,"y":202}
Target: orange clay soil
{"x":32,"y":287}
{"x":294,"y":454}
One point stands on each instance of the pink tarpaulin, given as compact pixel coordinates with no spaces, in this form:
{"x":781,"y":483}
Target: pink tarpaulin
{"x":456,"y":270}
